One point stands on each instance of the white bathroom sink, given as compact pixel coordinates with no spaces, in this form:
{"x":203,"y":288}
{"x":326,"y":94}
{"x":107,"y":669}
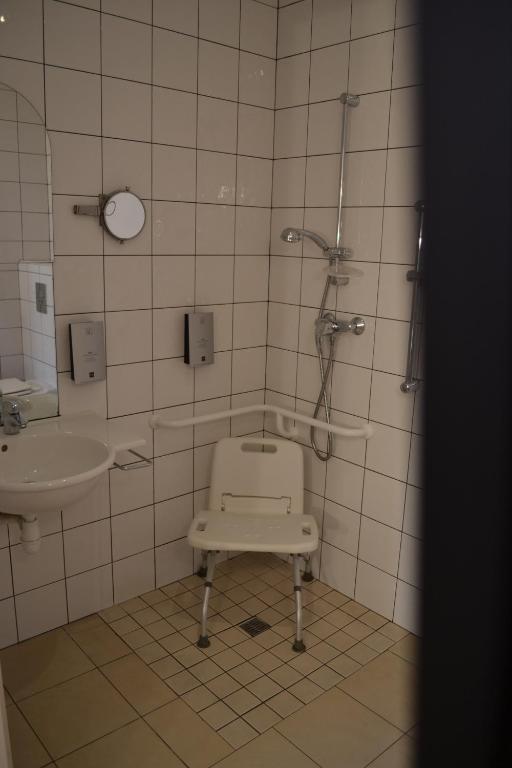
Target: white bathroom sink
{"x":40,"y":472}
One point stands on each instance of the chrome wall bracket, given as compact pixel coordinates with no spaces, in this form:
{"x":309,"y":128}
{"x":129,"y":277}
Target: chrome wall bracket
{"x":140,"y":464}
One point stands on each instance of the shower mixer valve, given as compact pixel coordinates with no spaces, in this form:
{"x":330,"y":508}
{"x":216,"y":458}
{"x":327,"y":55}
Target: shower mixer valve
{"x":328,"y":325}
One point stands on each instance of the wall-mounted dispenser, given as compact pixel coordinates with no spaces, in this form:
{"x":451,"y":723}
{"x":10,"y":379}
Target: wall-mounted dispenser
{"x":87,"y":343}
{"x":199,"y":338}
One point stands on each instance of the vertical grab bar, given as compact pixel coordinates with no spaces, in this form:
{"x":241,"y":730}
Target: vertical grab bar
{"x":412,"y":382}
{"x":348,"y":100}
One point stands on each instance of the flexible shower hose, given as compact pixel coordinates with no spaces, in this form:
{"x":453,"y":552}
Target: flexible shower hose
{"x":323,"y":396}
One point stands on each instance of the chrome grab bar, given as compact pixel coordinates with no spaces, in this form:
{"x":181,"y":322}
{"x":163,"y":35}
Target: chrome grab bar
{"x":411,"y":382}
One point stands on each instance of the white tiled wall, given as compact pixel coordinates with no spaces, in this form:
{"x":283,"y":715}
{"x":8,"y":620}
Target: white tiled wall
{"x":366,"y":498}
{"x":174,"y":98}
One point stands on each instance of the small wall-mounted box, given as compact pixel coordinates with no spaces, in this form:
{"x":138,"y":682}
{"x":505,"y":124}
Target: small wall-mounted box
{"x":198,"y":338}
{"x":87,"y":344}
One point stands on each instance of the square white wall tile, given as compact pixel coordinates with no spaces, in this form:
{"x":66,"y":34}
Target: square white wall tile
{"x":408,"y":607}
{"x":218,"y":71}
{"x":329,"y":72}
{"x":31,"y":571}
{"x":130,"y":490}
{"x":379,"y":545}
{"x":220,"y":21}
{"x":281,"y":370}
{"x":173,"y":383}
{"x":411,"y":553}
{"x":413,"y":516}
{"x":127,"y":282}
{"x":294,"y":31}
{"x":126,"y":109}
{"x":132,"y":532}
{"x":406,"y":57}
{"x":215,"y":230}
{"x":257,"y":80}
{"x":370,"y":17}
{"x":249,"y":325}
{"x":174,"y":60}
{"x":89,"y":592}
{"x":383,"y":499}
{"x":173,"y":440}
{"x":129,"y":388}
{"x":173,"y":475}
{"x":258,"y":28}
{"x":338,"y":569}
{"x":389,"y":405}
{"x":87,"y":547}
{"x":375,"y":589}
{"x":292,"y":81}
{"x":8,"y":631}
{"x":251,"y":278}
{"x":41,"y":609}
{"x":252,"y":231}
{"x":255,"y":130}
{"x":173,"y":519}
{"x":179,"y":15}
{"x":351,"y":389}
{"x":248,"y":369}
{"x":341,"y":527}
{"x":173,"y":561}
{"x":134,"y":576}
{"x":125,"y":49}
{"x":331,"y":22}
{"x":344,"y":484}
{"x":129,"y":336}
{"x":174,"y":117}
{"x":388,"y":451}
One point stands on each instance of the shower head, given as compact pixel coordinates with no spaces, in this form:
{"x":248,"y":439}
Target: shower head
{"x":292,"y":235}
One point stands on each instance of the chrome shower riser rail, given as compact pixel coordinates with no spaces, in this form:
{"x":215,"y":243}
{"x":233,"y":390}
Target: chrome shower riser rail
{"x":412,"y":382}
{"x":365,"y":431}
{"x":347,"y":100}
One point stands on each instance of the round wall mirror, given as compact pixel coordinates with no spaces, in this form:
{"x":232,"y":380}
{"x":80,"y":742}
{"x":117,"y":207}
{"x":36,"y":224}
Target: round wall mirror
{"x":123,"y":215}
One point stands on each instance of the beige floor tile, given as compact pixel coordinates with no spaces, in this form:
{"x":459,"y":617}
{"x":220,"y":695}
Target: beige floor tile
{"x":341,"y":641}
{"x":374,"y":620}
{"x":182,"y":682}
{"x":232,"y":636}
{"x":268,"y":639}
{"x":199,"y":698}
{"x":195,"y":743}
{"x":285,"y":676}
{"x":181,"y":620}
{"x":266,"y":662}
{"x":245,"y":673}
{"x":113,"y":613}
{"x":400,"y":755}
{"x":322,"y":629}
{"x":323,"y":651}
{"x":238,"y":733}
{"x":387,"y":685}
{"x":393,"y":631}
{"x":189,"y":656}
{"x":173,"y":589}
{"x":151,"y":653}
{"x":101,"y":644}
{"x":317,"y":588}
{"x":408,"y":648}
{"x":228,"y":659}
{"x":378,"y":642}
{"x":37,"y":664}
{"x":191,"y":582}
{"x":167,"y":608}
{"x":316,"y":730}
{"x":305,"y":663}
{"x":235,"y":615}
{"x":218,"y":715}
{"x":206,"y":670}
{"x":361,"y":653}
{"x":153,"y":597}
{"x":242,"y":701}
{"x":320,"y":607}
{"x":336,"y":598}
{"x":267,"y":751}
{"x":264,"y":688}
{"x":216,"y":645}
{"x":139,"y":685}
{"x":138,"y":638}
{"x":123,"y":626}
{"x":249,"y":649}
{"x":187,"y":599}
{"x":27,"y":750}
{"x":284,"y":651}
{"x":355,"y":609}
{"x":325,"y":677}
{"x":223,"y":685}
{"x":344,"y":665}
{"x":306,"y":690}
{"x":174,"y":642}
{"x":284,"y":704}
{"x":133,"y":605}
{"x":166,"y":667}
{"x":74,"y":713}
{"x":159,"y":629}
{"x":262,"y":718}
{"x":133,"y":746}
{"x":357,"y":629}
{"x":339,"y":619}
{"x":147,"y":616}
{"x":87,"y":622}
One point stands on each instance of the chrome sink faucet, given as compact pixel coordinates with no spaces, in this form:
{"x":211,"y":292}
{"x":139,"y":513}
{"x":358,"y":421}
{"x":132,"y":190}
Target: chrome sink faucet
{"x":11,"y":418}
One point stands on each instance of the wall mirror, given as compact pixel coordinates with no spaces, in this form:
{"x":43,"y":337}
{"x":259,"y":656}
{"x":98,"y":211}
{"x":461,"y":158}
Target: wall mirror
{"x":121,"y":213}
{"x":27,"y":324}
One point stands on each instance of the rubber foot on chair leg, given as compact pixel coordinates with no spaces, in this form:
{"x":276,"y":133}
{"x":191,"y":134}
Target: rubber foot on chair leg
{"x":202,"y":572}
{"x":203,"y":642}
{"x":298,"y":646}
{"x":307,"y":576}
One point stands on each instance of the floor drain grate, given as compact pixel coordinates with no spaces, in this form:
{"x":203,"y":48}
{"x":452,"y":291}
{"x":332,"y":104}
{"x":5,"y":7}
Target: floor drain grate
{"x":254,"y":626}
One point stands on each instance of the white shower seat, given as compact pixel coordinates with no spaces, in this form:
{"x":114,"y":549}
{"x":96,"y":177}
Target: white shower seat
{"x":255,"y":505}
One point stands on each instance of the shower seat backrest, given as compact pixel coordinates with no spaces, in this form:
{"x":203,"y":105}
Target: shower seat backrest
{"x":259,"y":475}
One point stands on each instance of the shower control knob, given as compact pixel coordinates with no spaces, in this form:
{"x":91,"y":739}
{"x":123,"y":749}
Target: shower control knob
{"x":357,"y":325}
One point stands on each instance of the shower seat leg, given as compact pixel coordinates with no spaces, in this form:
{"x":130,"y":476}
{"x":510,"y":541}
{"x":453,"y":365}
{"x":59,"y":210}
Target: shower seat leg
{"x":298,"y":644}
{"x":307,"y":575}
{"x":202,"y":570}
{"x":203,"y":641}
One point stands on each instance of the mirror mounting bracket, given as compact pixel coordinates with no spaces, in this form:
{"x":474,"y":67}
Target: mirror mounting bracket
{"x":109,"y":212}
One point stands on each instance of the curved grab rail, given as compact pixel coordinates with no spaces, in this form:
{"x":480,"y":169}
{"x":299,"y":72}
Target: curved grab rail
{"x":365,"y":431}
